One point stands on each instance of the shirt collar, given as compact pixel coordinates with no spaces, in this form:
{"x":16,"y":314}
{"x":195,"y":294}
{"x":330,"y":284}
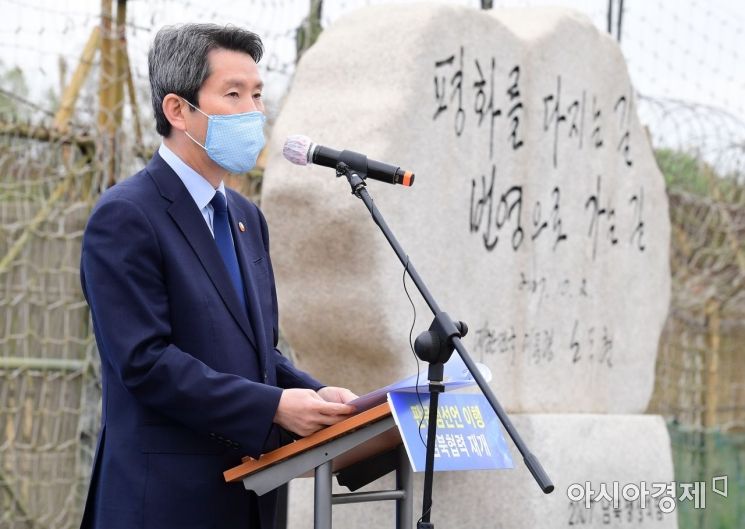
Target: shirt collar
{"x":199,"y":188}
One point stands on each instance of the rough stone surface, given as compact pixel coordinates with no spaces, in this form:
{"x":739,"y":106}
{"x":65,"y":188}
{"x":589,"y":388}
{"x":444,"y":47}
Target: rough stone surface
{"x":572,"y":448}
{"x":538,"y":214}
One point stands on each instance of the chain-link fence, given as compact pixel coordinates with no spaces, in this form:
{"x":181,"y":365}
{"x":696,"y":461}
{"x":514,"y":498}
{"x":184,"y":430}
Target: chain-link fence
{"x":699,"y":136}
{"x":75,"y":117}
{"x":700,"y":382}
{"x":49,"y":394}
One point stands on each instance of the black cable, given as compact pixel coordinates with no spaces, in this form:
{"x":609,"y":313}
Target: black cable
{"x":411,"y":346}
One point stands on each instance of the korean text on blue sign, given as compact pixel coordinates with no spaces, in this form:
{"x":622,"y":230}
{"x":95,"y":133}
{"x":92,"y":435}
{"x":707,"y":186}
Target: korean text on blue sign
{"x":469,"y":436}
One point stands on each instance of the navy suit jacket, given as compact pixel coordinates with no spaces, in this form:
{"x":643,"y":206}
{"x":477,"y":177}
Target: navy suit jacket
{"x":190,"y":381}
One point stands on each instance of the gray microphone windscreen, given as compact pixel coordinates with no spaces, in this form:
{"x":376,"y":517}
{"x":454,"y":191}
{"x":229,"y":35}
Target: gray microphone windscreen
{"x":297,"y":148}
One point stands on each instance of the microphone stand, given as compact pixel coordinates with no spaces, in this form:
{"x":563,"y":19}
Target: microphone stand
{"x":435,"y":345}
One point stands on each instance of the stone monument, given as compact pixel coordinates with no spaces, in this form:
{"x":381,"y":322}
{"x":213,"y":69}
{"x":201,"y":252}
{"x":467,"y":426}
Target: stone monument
{"x":538,"y":216}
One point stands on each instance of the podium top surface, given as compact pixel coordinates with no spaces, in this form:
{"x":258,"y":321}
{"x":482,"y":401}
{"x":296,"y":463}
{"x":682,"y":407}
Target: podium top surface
{"x":356,"y":422}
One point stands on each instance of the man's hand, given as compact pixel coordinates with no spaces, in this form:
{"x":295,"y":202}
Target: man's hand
{"x":303,"y":411}
{"x":333,"y":394}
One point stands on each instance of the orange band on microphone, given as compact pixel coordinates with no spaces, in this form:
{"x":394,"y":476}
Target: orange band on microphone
{"x":408,"y":179}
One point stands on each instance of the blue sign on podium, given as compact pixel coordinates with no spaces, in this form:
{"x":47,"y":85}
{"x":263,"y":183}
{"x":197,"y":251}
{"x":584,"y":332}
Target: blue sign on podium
{"x":469,"y":434}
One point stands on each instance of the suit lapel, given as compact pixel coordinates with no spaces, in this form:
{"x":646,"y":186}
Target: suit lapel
{"x":246,"y":256}
{"x":190,"y":221}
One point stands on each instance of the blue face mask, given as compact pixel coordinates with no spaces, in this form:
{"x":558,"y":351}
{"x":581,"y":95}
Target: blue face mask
{"x":233,"y":141}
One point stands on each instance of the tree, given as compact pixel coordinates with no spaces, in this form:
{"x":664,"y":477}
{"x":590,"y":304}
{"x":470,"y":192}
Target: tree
{"x":684,"y":171}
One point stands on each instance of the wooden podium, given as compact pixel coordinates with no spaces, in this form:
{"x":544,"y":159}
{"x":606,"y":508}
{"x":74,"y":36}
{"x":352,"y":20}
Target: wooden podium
{"x":340,"y":448}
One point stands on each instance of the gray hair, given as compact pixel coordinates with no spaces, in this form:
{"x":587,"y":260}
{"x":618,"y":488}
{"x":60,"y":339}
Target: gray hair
{"x":177,"y":61}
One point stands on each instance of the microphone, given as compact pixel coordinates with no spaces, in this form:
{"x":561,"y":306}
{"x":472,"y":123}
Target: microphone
{"x":300,"y":150}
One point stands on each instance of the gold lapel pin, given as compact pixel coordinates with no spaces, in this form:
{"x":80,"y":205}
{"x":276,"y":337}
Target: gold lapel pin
{"x":241,"y":226}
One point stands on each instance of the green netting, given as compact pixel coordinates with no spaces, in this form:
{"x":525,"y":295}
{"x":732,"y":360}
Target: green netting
{"x":700,"y":457}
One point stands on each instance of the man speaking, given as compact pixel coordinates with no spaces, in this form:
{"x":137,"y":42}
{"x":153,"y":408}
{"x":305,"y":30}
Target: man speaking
{"x":176,"y":270}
